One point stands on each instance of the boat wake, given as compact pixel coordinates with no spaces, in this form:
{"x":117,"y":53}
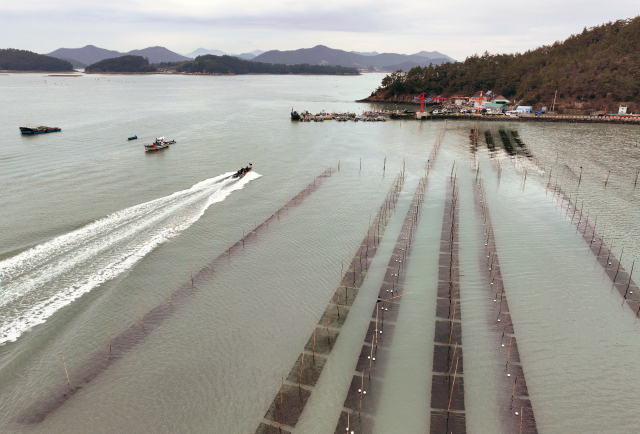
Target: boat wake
{"x":38,"y":282}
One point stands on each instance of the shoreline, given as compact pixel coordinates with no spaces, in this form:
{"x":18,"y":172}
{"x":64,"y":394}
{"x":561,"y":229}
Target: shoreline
{"x":80,"y":73}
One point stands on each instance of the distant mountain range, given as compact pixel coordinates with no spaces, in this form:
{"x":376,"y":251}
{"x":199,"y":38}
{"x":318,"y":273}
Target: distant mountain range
{"x":322,"y":55}
{"x":204,"y":51}
{"x":91,"y":54}
{"x":318,"y":55}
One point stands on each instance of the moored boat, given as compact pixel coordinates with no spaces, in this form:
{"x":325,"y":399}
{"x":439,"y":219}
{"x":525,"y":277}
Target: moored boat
{"x":156,"y":146}
{"x":133,"y":138}
{"x":295,"y":116}
{"x":160,"y":143}
{"x":39,"y":130}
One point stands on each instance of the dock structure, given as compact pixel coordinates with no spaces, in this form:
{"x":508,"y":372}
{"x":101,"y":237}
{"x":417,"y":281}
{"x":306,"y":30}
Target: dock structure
{"x":289,"y":403}
{"x":515,"y":406}
{"x":130,"y":338}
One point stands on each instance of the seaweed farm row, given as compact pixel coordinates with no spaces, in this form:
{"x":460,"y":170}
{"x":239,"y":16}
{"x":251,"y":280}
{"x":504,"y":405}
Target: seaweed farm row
{"x":287,"y":406}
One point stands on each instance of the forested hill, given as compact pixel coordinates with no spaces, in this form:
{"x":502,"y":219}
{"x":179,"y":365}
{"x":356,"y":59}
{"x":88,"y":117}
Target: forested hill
{"x":211,"y":64}
{"x":122,"y":64}
{"x":596,"y":69}
{"x":22,"y":60}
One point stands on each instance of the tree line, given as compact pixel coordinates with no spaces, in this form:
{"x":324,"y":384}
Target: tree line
{"x":23,"y":60}
{"x":211,"y":64}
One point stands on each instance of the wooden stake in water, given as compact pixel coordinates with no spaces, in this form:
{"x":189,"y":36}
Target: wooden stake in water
{"x":618,"y":269}
{"x":140,"y":307}
{"x":580,"y":178}
{"x":281,"y":399}
{"x":109,"y":335}
{"x":607,"y":180}
{"x":301,"y":369}
{"x":361,"y":393}
{"x":514,"y":390}
{"x":629,"y":283}
{"x":452,"y":386}
{"x":191,"y":271}
{"x":313,"y":351}
{"x":65,"y":370}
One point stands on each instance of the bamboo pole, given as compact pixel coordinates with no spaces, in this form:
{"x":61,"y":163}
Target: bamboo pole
{"x":313,"y":351}
{"x":509,"y":351}
{"x":514,"y":390}
{"x":140,"y":308}
{"x":371,"y":355}
{"x":64,"y":362}
{"x":301,"y":369}
{"x":191,"y":272}
{"x":362,"y":392}
{"x":281,"y":399}
{"x":521,"y":414}
{"x":109,"y":336}
{"x":629,"y":283}
{"x":452,"y":318}
{"x":452,"y":386}
{"x":618,"y":269}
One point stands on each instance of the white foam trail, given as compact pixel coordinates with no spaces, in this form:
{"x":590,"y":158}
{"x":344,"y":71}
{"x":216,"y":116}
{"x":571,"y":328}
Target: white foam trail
{"x":36,"y":283}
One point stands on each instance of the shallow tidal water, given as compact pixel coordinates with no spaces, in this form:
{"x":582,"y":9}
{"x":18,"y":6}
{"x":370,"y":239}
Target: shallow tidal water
{"x":93,"y":231}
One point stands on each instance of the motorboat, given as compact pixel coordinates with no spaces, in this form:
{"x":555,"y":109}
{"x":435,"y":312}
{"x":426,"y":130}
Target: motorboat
{"x":243,"y":171}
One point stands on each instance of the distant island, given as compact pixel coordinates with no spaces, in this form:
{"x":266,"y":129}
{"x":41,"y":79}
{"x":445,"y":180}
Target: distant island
{"x":211,"y":64}
{"x":318,"y":55}
{"x":91,"y":54}
{"x":594,"y":70}
{"x":23,"y":60}
{"x":122,"y":64}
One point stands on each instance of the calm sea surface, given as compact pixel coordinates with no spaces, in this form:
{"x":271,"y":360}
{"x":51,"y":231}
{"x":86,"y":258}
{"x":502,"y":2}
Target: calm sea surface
{"x":94,"y":231}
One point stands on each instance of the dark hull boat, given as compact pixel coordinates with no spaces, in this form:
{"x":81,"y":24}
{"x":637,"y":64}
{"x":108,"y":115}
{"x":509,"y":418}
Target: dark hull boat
{"x":240,"y":173}
{"x":39,"y":130}
{"x":295,"y":116}
{"x":133,"y":138}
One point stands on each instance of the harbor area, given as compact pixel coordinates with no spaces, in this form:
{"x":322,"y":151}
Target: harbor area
{"x":443,"y":113}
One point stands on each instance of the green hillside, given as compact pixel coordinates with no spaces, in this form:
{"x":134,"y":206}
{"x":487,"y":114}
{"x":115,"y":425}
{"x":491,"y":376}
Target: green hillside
{"x":22,"y":60}
{"x":122,"y":64}
{"x":211,"y":64}
{"x":596,"y":69}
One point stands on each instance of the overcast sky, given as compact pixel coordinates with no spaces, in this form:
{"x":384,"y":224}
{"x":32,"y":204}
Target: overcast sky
{"x":457,"y":28}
